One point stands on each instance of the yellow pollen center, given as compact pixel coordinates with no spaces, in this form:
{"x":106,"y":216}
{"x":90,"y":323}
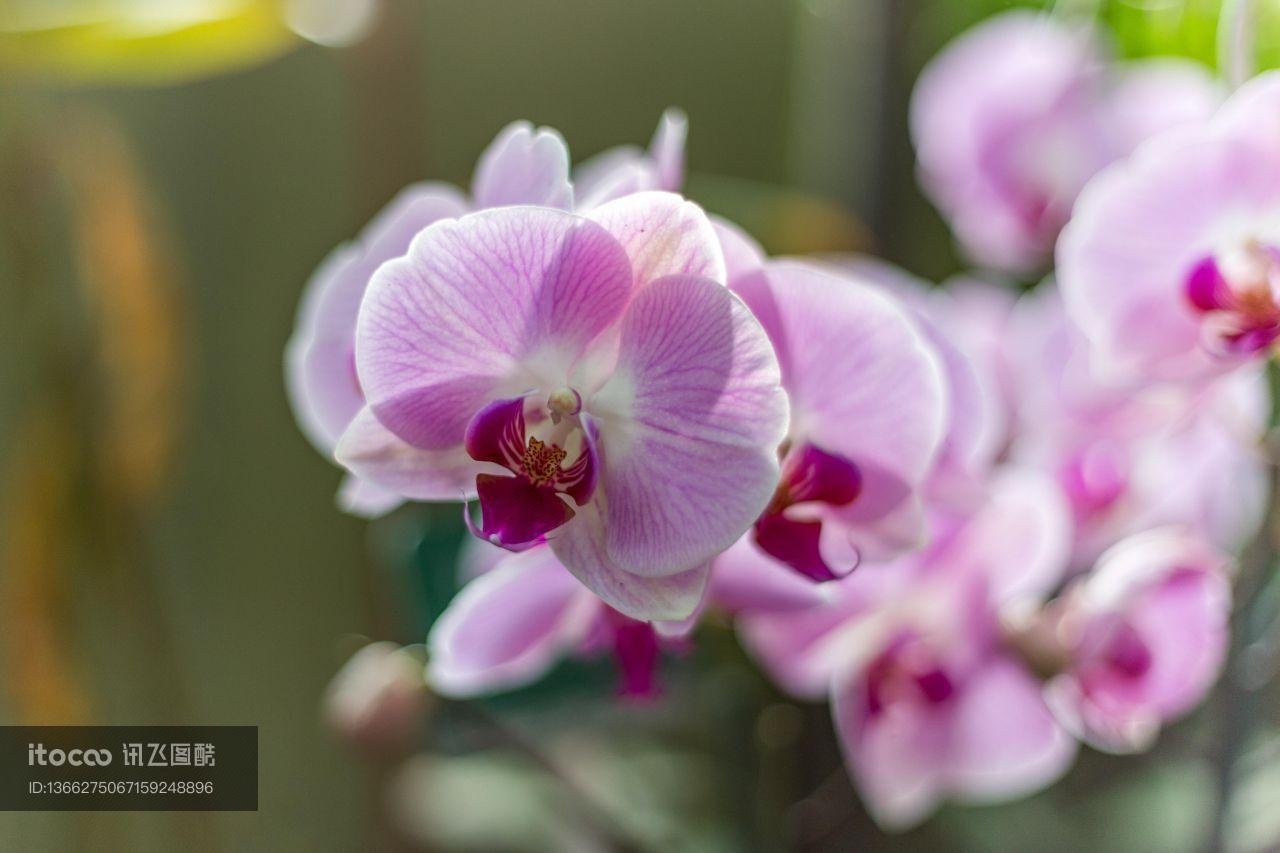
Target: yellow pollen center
{"x":562,"y":402}
{"x":541,"y":461}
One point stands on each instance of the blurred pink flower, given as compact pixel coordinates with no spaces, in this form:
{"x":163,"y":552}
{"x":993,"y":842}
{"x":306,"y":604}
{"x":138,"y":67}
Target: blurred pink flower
{"x":379,"y":699}
{"x":1171,"y":264}
{"x":1130,"y":458}
{"x":523,"y":165}
{"x":927,"y":702}
{"x":868,"y":409}
{"x":1015,"y":116}
{"x":1144,"y":637}
{"x":593,"y":380}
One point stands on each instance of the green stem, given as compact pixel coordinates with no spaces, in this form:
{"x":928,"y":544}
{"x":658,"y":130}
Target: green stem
{"x":1235,"y":41}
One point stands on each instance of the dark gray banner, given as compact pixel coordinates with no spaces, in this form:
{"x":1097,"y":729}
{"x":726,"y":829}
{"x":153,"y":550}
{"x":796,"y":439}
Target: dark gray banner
{"x":128,"y":768}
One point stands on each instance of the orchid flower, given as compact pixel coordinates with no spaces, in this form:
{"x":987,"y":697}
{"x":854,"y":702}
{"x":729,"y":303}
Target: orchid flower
{"x":868,"y":411}
{"x":588,"y":379}
{"x":1014,"y":117}
{"x":928,"y":703}
{"x":1143,"y":638}
{"x":1132,"y":458}
{"x":523,"y":165}
{"x":1171,"y":263}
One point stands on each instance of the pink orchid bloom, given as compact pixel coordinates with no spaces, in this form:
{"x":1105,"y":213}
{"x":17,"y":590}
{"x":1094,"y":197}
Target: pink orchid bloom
{"x":1144,"y":637}
{"x":522,"y":614}
{"x":1171,"y":263}
{"x":588,"y":378}
{"x":522,"y":165}
{"x":868,"y":408}
{"x":928,"y":703}
{"x":1131,"y":458}
{"x":1014,"y":117}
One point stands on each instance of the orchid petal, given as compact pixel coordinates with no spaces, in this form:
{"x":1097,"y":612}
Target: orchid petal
{"x":894,"y":757}
{"x":364,"y":499}
{"x":515,"y":513}
{"x":1020,"y":539}
{"x":383,"y":461}
{"x":1004,"y":740}
{"x":497,"y":301}
{"x":581,"y":547}
{"x":745,"y":579}
{"x":1141,"y":228}
{"x":320,"y":358}
{"x":524,"y":166}
{"x":689,"y":426}
{"x":664,"y":235}
{"x":509,"y":626}
{"x":743,"y":256}
{"x":667,"y":149}
{"x":1253,"y":111}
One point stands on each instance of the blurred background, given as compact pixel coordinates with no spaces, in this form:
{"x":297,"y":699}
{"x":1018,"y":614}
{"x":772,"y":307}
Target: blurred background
{"x":171,"y":172}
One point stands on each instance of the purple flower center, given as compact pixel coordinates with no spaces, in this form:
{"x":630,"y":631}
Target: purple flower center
{"x":810,"y":476}
{"x":1127,"y":654}
{"x":1237,"y":294}
{"x":533,"y":438}
{"x":907,"y":672}
{"x":1113,"y":662}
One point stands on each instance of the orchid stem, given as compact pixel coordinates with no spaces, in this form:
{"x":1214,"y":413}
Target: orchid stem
{"x":1238,"y":696}
{"x":1235,"y":41}
{"x":595,"y":816}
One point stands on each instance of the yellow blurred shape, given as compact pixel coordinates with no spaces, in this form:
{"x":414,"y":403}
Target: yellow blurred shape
{"x":131,"y":284}
{"x":149,"y":42}
{"x":36,"y":507}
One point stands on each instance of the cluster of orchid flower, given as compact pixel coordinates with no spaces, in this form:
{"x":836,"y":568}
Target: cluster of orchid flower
{"x":985,"y":527}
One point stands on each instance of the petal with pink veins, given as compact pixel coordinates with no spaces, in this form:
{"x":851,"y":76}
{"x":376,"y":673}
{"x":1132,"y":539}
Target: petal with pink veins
{"x":671,"y":598}
{"x":743,"y":256}
{"x":384,"y":461}
{"x":320,"y":373}
{"x":663,"y":234}
{"x":689,"y":423}
{"x":484,"y":306}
